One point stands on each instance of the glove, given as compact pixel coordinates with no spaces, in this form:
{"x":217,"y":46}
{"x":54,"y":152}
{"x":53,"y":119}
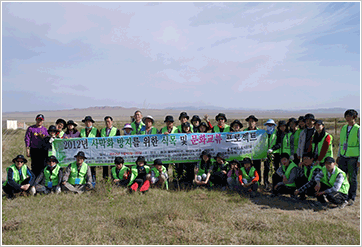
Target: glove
{"x":51,"y":140}
{"x":270,"y":151}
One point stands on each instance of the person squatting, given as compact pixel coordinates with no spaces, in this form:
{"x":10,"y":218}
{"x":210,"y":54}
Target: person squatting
{"x":300,"y":151}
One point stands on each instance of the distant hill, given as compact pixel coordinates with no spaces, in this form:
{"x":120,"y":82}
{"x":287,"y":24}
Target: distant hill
{"x":122,"y":113}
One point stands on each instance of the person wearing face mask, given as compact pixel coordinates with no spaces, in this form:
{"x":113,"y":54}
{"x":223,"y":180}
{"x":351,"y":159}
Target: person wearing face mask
{"x":50,"y":178}
{"x":272,"y":139}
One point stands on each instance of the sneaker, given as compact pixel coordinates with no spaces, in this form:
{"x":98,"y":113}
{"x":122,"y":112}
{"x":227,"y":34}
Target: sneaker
{"x":343,"y":205}
{"x":350,"y":202}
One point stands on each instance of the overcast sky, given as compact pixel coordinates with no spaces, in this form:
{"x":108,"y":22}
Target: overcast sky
{"x":249,"y":55}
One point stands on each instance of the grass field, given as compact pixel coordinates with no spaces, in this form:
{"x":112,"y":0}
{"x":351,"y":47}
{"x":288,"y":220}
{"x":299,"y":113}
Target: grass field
{"x":110,"y":216}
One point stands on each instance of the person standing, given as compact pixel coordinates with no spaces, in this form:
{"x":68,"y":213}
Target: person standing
{"x":127,"y":129}
{"x":108,"y":131}
{"x":90,"y":131}
{"x":71,"y":131}
{"x":236,"y":126}
{"x":19,"y":178}
{"x":169,"y":128}
{"x":61,"y":125}
{"x":294,"y":138}
{"x":321,"y":144}
{"x":283,"y":143}
{"x":148,"y":128}
{"x":221,"y":124}
{"x":272,"y":140}
{"x":306,"y":136}
{"x":137,"y":123}
{"x":195,"y":121}
{"x":349,"y":152}
{"x":183,"y":119}
{"x":77,"y":177}
{"x":252,"y":121}
{"x":33,"y":142}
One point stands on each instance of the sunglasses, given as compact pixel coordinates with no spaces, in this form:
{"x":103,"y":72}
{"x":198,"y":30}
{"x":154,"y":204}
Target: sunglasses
{"x":20,"y":161}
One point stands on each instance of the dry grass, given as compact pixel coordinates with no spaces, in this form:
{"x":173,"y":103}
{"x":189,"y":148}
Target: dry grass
{"x":111,"y":216}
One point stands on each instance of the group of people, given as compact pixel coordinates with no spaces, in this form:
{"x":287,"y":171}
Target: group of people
{"x":301,"y":152}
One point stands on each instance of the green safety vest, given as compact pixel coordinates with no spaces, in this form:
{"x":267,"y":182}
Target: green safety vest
{"x":157,"y":174}
{"x":353,"y":148}
{"x":134,"y":173}
{"x":52,"y":177}
{"x":345,"y":185}
{"x":120,"y":173}
{"x":93,"y":133}
{"x":272,"y":139}
{"x":219,"y":166}
{"x":153,"y":131}
{"x":180,"y":129}
{"x":320,"y":144}
{"x":285,"y":148}
{"x":113,"y":132}
{"x":226,"y":128}
{"x":16,"y":174}
{"x":246,"y":175}
{"x":287,"y":172}
{"x":201,"y":171}
{"x":164,"y":129}
{"x":311,"y":171}
{"x":74,"y":173}
{"x":296,"y":139}
{"x":136,"y":131}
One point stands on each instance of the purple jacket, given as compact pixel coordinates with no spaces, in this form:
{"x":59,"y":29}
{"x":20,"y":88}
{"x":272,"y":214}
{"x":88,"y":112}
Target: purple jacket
{"x":34,"y":136}
{"x":231,"y":172}
{"x":72,"y":135}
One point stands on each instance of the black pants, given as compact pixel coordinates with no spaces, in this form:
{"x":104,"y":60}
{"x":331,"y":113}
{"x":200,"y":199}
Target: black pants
{"x":219,"y":179}
{"x":38,"y":160}
{"x":281,"y":189}
{"x":11,"y":190}
{"x":266,"y":172}
{"x":189,"y":168}
{"x":334,"y":197}
{"x":276,"y":161}
{"x":93,"y":172}
{"x":349,"y":166}
{"x":105,"y":172}
{"x":296,"y":160}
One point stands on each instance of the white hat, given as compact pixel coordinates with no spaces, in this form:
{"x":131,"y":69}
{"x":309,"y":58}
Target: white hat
{"x":270,"y":121}
{"x":127,"y":126}
{"x":150,"y":117}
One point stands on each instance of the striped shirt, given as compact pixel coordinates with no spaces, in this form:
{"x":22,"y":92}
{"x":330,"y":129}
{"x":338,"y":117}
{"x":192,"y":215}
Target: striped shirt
{"x":337,"y":185}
